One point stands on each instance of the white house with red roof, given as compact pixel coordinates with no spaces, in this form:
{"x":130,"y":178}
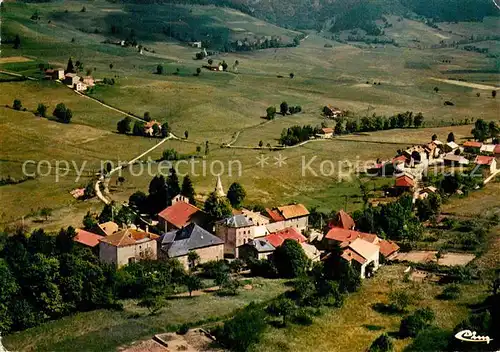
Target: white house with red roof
{"x":344,"y":237}
{"x":325,"y":132}
{"x":363,"y":255}
{"x":487,"y":162}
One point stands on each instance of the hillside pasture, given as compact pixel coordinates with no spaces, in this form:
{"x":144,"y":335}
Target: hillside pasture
{"x":354,"y":326}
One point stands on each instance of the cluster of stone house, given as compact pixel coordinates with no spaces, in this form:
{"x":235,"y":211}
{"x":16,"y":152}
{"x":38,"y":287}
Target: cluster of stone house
{"x":449,"y":154}
{"x":242,"y":235}
{"x":72,"y":80}
{"x":245,"y":234}
{"x":362,"y":250}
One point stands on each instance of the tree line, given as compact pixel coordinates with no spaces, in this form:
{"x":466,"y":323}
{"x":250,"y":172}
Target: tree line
{"x":61,"y":112}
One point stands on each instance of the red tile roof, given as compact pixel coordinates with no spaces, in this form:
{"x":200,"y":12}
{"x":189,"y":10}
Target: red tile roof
{"x":87,"y":238}
{"x":497,"y":149}
{"x":326,"y":130}
{"x":388,"y":247}
{"x":404,"y":181}
{"x":287,"y":212}
{"x":345,"y":236}
{"x":290,"y":233}
{"x":179,"y":214}
{"x":349,"y":255}
{"x":344,"y":220}
{"x":472,"y":144}
{"x":293,"y":211}
{"x":128,"y":237}
{"x":484,"y":160}
{"x":274,"y":215}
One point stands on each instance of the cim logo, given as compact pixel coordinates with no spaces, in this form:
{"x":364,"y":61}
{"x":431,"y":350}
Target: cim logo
{"x":470,"y":336}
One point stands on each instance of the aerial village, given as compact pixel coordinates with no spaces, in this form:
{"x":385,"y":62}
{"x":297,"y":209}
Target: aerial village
{"x":184,"y":231}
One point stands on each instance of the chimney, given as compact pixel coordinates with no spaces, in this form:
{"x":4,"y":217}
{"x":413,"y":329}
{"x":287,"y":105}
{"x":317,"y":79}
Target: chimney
{"x":147,"y":228}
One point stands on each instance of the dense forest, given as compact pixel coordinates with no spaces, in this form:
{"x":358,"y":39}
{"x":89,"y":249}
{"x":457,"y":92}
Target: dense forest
{"x":309,"y":14}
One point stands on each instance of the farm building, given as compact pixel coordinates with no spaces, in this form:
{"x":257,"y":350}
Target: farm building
{"x":486,"y":162}
{"x":472,"y":147}
{"x":70,"y":79}
{"x":54,"y":74}
{"x":325,"y":132}
{"x":258,"y":248}
{"x":332,"y":112}
{"x":294,"y":215}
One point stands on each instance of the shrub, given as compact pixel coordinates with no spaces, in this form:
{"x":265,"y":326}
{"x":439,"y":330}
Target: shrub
{"x":17,"y":104}
{"x":62,"y":113}
{"x":263,"y":268}
{"x":451,"y":291}
{"x":302,"y":317}
{"x":400,"y":300}
{"x":282,"y":307}
{"x":41,"y":110}
{"x":244,"y":329}
{"x":183,"y":329}
{"x":383,"y":343}
{"x":214,"y":268}
{"x":413,"y":324}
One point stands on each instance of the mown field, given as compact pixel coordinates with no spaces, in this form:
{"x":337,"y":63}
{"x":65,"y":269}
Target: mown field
{"x":215,"y":106}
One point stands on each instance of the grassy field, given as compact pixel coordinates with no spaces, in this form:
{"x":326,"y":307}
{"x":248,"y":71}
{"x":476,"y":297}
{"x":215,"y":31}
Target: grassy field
{"x":105,"y":330}
{"x":354,"y":326}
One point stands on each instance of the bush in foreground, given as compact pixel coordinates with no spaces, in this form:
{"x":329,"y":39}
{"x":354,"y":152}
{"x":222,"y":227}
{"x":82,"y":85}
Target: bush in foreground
{"x":383,"y":343}
{"x":413,"y":324}
{"x":244,"y":329}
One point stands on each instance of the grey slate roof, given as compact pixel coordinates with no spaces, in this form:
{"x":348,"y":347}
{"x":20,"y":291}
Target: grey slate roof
{"x":179,"y":242}
{"x":261,"y":245}
{"x":239,"y":220}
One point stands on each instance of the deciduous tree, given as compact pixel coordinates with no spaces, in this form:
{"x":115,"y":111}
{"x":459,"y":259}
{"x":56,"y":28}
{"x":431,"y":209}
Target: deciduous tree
{"x":17,"y":105}
{"x":284,"y":108}
{"x":62,"y":113}
{"x":236,"y":195}
{"x":217,"y":208}
{"x":290,"y":259}
{"x":123,"y":126}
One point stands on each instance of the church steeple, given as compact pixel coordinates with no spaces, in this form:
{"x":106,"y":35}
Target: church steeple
{"x":219,"y":191}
